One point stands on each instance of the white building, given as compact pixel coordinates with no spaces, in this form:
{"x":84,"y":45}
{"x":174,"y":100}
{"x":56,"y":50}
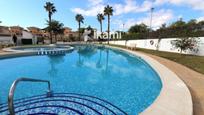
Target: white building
{"x":6,"y":36}
{"x":27,"y":36}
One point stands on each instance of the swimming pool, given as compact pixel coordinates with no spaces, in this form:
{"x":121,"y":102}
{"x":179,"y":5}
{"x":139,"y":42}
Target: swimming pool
{"x":123,"y":79}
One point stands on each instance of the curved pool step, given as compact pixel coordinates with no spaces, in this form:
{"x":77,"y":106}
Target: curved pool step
{"x":63,"y":103}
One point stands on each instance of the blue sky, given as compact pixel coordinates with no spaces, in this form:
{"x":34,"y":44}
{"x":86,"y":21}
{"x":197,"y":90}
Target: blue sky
{"x":126,"y":12}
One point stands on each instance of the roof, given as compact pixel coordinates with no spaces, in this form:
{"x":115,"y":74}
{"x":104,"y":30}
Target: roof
{"x":4,"y":31}
{"x":67,"y":28}
{"x":32,"y":27}
{"x":16,"y":27}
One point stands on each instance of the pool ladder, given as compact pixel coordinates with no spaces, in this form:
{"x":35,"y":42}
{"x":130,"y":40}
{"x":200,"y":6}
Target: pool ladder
{"x":52,"y":52}
{"x":13,"y":87}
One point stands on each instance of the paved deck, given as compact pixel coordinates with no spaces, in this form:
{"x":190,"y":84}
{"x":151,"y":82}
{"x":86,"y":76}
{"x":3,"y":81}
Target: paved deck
{"x":193,"y":79}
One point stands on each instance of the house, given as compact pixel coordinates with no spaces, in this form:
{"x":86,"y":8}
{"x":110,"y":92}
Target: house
{"x":68,"y":34}
{"x":27,"y":38}
{"x":5,"y":35}
{"x":17,"y":30}
{"x":36,"y":31}
{"x":67,"y":31}
{"x":4,"y":31}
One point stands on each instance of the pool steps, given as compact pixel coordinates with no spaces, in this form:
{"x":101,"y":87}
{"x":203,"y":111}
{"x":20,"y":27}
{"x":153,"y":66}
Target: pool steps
{"x":63,"y":103}
{"x":52,"y":52}
{"x":56,"y":103}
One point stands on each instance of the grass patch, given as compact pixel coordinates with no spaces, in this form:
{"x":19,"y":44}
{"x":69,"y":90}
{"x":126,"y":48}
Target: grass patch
{"x":194,"y":62}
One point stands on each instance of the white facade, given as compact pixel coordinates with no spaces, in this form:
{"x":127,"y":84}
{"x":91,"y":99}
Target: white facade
{"x":26,"y":35}
{"x":164,"y":45}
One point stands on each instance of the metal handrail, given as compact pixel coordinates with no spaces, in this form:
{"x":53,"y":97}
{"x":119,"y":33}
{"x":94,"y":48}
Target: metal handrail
{"x":13,"y":87}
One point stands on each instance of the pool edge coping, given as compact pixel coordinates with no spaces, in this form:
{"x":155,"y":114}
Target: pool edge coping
{"x":174,"y":98}
{"x":11,"y":53}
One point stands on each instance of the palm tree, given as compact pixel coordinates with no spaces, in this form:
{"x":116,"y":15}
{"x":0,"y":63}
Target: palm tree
{"x":80,"y":19}
{"x":108,"y":11}
{"x":56,"y":27}
{"x":100,"y":18}
{"x":50,"y":8}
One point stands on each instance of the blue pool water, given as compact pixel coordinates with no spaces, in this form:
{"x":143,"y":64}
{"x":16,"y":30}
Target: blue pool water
{"x":115,"y":76}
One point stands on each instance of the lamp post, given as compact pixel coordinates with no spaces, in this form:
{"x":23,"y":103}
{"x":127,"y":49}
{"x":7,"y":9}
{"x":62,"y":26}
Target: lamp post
{"x":150,"y":26}
{"x":123,"y":30}
{"x":123,"y":27}
{"x":152,"y":10}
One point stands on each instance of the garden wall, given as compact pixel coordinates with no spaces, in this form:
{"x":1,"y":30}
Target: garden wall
{"x":6,"y":39}
{"x":163,"y":45}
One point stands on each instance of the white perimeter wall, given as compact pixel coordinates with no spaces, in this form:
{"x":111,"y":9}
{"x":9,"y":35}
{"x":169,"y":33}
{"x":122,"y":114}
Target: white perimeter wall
{"x":6,"y":39}
{"x":164,"y":45}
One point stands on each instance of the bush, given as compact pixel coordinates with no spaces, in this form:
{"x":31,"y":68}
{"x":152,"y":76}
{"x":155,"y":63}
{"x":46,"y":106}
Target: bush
{"x":185,"y":43}
{"x":40,"y":39}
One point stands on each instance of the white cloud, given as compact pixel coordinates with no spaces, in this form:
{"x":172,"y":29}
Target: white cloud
{"x":94,"y":7}
{"x":129,"y":6}
{"x":95,"y":2}
{"x":200,"y":19}
{"x":194,"y":4}
{"x":91,"y":11}
{"x":159,"y":18}
{"x":176,"y":2}
{"x":197,"y":4}
{"x":132,"y":6}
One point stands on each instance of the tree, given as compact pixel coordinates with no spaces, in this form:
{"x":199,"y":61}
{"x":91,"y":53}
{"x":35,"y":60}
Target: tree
{"x":178,"y":24}
{"x":108,"y":11}
{"x":141,"y":28}
{"x":192,"y":25}
{"x":163,"y":26}
{"x":80,"y":19}
{"x":192,"y":22}
{"x":100,"y":18}
{"x":178,"y":28}
{"x":50,"y":8}
{"x":201,"y":24}
{"x":185,"y":43}
{"x":56,"y":27}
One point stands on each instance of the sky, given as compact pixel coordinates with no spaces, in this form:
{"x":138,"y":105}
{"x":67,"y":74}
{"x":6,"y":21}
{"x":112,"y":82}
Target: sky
{"x":127,"y":13}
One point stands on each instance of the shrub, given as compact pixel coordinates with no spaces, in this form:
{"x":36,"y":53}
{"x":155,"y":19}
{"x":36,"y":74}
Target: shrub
{"x":185,"y":43}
